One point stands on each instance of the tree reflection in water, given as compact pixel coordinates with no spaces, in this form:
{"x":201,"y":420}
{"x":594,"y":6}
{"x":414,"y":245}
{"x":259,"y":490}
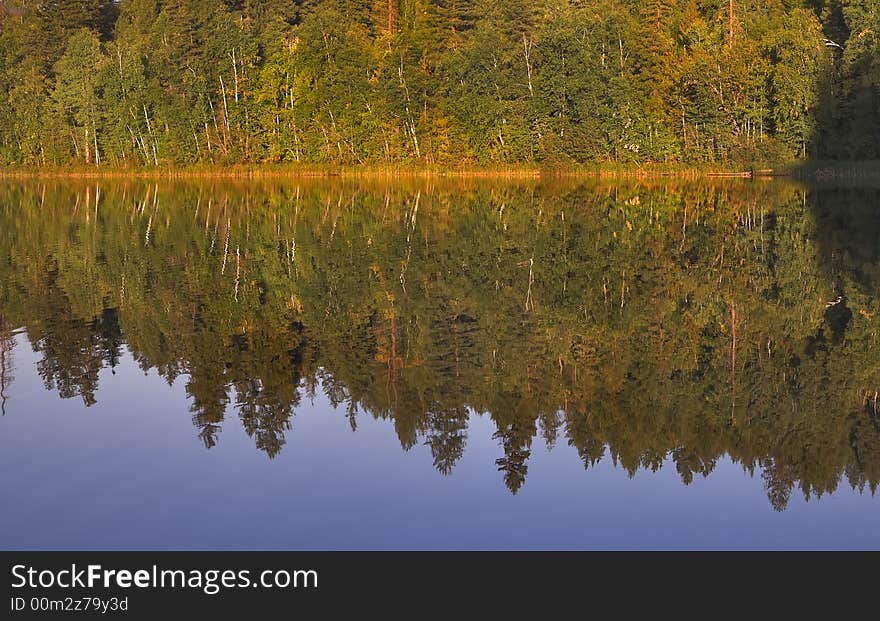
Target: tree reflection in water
{"x":641,"y":322}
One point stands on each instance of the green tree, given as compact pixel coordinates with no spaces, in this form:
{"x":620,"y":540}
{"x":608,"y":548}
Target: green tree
{"x":76,"y":95}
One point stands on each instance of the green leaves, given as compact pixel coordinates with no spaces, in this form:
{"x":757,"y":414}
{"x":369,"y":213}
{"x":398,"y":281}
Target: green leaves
{"x":559,"y":82}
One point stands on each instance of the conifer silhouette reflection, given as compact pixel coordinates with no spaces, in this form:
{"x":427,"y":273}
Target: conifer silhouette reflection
{"x":673,"y":322}
{"x":7,"y":342}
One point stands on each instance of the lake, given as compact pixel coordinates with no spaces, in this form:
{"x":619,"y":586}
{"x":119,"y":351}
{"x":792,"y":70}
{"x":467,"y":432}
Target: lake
{"x":439,"y":364}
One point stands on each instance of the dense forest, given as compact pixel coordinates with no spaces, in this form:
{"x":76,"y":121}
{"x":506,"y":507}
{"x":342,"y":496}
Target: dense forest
{"x":649,"y":324}
{"x":437,"y":82}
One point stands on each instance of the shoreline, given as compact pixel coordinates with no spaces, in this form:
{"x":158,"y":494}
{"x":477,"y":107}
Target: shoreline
{"x":294,"y":173}
{"x":815,"y":170}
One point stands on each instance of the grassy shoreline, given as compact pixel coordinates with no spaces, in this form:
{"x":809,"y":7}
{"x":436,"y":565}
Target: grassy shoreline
{"x":290,"y":170}
{"x":811,"y":170}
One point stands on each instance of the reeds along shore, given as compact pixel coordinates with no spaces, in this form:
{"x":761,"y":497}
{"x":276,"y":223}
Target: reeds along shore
{"x":818,"y":171}
{"x":271,"y":171}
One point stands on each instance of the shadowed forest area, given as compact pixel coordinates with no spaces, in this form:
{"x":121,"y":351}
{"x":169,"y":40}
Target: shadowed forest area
{"x":140,"y":83}
{"x":653,"y":323}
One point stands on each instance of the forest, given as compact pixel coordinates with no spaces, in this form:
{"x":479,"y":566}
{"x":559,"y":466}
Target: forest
{"x":551,"y":83}
{"x":659,"y":324}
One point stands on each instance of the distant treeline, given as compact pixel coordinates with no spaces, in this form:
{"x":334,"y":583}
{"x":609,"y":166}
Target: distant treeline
{"x":557,"y":82}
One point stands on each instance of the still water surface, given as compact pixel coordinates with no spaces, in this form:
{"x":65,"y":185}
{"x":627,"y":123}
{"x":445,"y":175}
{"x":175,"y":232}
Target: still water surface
{"x":443,"y":365}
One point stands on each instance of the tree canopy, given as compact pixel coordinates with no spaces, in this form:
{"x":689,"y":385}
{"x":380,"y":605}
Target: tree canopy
{"x":436,"y":82}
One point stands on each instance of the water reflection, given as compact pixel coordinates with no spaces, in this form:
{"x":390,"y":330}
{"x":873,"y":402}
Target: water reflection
{"x":635,"y":323}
